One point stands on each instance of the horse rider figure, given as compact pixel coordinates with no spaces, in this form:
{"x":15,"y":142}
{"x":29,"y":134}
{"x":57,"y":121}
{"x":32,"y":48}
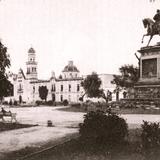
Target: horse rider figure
{"x":157,"y":18}
{"x":153,"y":27}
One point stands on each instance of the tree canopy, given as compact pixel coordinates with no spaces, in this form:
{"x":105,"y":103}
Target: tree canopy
{"x":129,"y":75}
{"x":43,"y":92}
{"x":6,"y":88}
{"x":92,"y":87}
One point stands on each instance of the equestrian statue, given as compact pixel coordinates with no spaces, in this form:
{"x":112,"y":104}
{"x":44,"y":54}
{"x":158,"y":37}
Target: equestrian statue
{"x":153,"y":27}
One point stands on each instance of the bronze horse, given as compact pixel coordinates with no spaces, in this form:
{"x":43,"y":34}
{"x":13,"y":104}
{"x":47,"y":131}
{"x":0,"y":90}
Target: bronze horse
{"x":153,"y":28}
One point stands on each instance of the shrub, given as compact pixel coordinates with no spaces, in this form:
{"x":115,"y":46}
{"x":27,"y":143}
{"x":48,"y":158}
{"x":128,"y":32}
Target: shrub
{"x":50,"y":103}
{"x":38,"y":103}
{"x":5,"y":102}
{"x":75,"y":105}
{"x":65,"y":102}
{"x":150,"y":135}
{"x":103,"y":128}
{"x":10,"y":102}
{"x":15,"y":103}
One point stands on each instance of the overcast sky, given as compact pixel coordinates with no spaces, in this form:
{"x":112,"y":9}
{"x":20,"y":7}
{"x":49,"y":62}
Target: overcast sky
{"x":98,"y":35}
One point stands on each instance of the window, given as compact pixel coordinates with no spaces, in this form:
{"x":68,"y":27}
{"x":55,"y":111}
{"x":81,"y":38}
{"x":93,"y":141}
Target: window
{"x":69,"y":87}
{"x":53,"y":88}
{"x":61,"y":88}
{"x":61,"y":98}
{"x":78,"y":87}
{"x":33,"y":89}
{"x":20,"y":86}
{"x":28,"y":70}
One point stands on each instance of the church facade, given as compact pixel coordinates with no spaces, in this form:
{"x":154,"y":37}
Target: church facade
{"x":66,"y":87}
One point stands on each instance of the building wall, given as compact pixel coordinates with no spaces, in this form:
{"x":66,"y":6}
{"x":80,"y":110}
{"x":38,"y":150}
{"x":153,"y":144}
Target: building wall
{"x":68,"y":90}
{"x":30,"y":89}
{"x":27,"y":86}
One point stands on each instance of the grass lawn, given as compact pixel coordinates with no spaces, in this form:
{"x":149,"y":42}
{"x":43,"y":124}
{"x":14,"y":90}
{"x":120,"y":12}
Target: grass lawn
{"x":11,"y":126}
{"x":81,"y":150}
{"x":120,"y":111}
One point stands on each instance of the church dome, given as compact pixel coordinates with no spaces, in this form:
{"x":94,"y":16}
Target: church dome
{"x":31,"y":50}
{"x":70,"y":67}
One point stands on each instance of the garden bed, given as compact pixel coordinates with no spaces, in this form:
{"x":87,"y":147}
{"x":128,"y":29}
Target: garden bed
{"x":119,"y":111}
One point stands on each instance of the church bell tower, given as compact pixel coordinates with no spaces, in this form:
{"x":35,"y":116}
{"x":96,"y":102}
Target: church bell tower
{"x":31,"y":65}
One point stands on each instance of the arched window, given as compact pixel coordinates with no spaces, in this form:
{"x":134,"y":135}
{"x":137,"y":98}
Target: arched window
{"x":20,"y":86}
{"x":28,"y":70}
{"x":61,"y":98}
{"x":69,"y":87}
{"x":71,"y":75}
{"x":61,"y":88}
{"x":78,"y":87}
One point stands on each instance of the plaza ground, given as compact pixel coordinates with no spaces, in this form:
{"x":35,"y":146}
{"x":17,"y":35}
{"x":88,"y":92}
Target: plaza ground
{"x":65,"y":125}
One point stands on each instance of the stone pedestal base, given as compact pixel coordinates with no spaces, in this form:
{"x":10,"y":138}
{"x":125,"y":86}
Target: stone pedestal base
{"x":147,"y":90}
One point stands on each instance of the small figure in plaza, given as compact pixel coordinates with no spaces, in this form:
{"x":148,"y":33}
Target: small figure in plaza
{"x":153,"y":28}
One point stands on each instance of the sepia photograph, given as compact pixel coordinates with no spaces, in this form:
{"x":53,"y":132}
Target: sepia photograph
{"x":79,"y":79}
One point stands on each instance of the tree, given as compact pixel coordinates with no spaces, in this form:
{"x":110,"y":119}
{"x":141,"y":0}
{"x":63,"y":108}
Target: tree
{"x":6,"y":88}
{"x":129,"y":76}
{"x":43,"y":92}
{"x":92,"y":87}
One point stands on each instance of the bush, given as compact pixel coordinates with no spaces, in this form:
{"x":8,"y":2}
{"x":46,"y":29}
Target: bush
{"x":150,"y":135}
{"x":50,"y":103}
{"x":5,"y":102}
{"x":15,"y":103}
{"x":10,"y":102}
{"x":38,"y":103}
{"x":103,"y":128}
{"x":65,"y":102}
{"x":75,"y":105}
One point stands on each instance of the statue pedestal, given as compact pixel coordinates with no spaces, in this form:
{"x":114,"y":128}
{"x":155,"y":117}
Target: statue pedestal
{"x":148,"y":86}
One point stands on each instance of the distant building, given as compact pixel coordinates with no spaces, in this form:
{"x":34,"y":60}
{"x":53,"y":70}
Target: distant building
{"x":66,"y":86}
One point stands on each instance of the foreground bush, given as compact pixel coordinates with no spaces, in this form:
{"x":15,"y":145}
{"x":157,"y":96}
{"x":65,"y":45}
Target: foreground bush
{"x":103,"y":128}
{"x":150,"y":135}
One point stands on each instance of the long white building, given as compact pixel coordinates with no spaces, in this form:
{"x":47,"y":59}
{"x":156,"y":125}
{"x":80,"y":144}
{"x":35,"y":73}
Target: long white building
{"x":67,"y":86}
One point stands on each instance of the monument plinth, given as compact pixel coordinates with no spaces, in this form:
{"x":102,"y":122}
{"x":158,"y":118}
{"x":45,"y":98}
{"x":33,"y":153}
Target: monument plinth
{"x":148,"y":86}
